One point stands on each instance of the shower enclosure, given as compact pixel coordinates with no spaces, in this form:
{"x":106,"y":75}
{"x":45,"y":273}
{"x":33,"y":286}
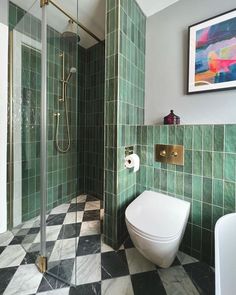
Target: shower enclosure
{"x":43,"y":134}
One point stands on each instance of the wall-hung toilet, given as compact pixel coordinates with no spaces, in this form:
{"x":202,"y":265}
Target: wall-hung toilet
{"x":156,"y":224}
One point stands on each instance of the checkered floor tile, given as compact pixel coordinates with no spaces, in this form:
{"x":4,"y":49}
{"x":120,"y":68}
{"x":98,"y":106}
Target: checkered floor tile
{"x":77,"y":254}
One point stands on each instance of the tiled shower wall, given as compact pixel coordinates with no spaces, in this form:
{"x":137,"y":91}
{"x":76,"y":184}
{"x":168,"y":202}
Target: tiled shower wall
{"x":62,"y":168}
{"x":91,"y":119}
{"x":94,"y":120}
{"x":207,"y":179}
{"x":124,"y":101}
{"x":81,"y":116}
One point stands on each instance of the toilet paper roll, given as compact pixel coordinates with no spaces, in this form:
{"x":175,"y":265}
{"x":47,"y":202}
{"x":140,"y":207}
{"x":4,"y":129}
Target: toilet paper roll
{"x":132,"y":161}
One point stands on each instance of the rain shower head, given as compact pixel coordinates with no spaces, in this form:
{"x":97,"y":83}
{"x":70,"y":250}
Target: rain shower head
{"x":71,"y":31}
{"x":72,"y":71}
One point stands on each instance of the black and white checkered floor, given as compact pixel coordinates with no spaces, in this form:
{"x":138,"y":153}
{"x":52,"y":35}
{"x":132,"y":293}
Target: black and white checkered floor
{"x":78,"y":255}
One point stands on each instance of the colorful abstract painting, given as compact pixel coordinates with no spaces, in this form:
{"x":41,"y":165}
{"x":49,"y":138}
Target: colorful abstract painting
{"x":212,"y":54}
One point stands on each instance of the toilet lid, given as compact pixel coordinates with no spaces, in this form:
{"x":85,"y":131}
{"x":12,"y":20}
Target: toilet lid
{"x":157,"y":215}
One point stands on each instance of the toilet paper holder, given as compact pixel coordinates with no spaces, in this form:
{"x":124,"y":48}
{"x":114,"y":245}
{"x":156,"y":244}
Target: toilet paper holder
{"x":129,"y":150}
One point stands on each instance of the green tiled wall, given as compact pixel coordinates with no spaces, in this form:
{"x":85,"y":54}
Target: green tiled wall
{"x":82,"y":57}
{"x":124,"y":101}
{"x":110,"y":126}
{"x":94,"y":110}
{"x":91,"y":119}
{"x":207,"y":180}
{"x":62,"y":168}
{"x":30,"y":133}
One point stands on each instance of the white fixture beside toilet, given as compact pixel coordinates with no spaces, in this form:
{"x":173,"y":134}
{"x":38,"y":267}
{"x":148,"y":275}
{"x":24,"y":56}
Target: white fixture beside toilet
{"x":156,"y":224}
{"x":225,"y":259}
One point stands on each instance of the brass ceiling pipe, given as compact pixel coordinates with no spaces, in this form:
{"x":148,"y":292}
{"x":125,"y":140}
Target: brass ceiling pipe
{"x":46,"y":2}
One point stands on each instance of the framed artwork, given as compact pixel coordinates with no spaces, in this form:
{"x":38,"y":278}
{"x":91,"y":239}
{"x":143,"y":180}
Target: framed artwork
{"x":212,"y":54}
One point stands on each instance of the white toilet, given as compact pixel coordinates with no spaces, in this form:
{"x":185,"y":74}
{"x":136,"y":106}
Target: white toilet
{"x":156,"y":224}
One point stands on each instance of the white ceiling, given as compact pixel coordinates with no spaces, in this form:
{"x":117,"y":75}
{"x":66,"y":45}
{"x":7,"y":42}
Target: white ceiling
{"x":91,"y":13}
{"x":150,"y":7}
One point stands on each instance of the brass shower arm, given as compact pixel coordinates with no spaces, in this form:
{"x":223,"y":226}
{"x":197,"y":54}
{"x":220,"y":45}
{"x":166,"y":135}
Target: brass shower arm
{"x":46,"y":2}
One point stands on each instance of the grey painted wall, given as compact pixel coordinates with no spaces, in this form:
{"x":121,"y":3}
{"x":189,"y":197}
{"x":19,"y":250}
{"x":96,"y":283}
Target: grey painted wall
{"x":4,"y":8}
{"x":166,"y":67}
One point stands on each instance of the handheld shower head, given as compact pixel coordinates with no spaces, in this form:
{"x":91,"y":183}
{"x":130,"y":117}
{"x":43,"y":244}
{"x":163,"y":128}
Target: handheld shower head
{"x":72,"y":71}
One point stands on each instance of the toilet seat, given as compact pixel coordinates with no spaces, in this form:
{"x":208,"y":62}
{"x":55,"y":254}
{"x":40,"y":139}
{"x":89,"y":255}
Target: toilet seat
{"x":156,"y":217}
{"x":151,"y":237}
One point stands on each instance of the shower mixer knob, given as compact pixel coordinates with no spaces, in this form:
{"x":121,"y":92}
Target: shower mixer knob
{"x":56,"y":114}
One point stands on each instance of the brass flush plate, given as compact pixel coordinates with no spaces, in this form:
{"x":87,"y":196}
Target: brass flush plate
{"x":170,"y":154}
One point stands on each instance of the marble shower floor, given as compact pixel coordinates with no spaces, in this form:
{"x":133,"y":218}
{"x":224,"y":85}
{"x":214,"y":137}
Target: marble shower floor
{"x":76,"y":251}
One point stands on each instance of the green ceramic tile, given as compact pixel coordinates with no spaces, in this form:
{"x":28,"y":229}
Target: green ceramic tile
{"x":218,"y":165}
{"x":143,"y":175}
{"x":229,"y":195}
{"x":207,"y":190}
{"x":164,"y":134}
{"x":139,"y":134}
{"x":179,"y":135}
{"x":197,"y":213}
{"x":149,"y":135}
{"x":188,"y":161}
{"x":112,"y":20}
{"x":196,"y":237}
{"x":144,"y":135}
{"x":171,"y":182}
{"x":207,"y":216}
{"x":197,"y":137}
{"x":218,"y":192}
{"x":197,"y":187}
{"x":150,"y":177}
{"x":188,"y":137}
{"x":163,"y":165}
{"x":150,"y":155}
{"x":219,"y":138}
{"x":157,"y":178}
{"x":187,"y":236}
{"x":197,"y":162}
{"x":156,"y":134}
{"x":207,"y":137}
{"x":188,"y":185}
{"x":230,"y":138}
{"x":230,"y":167}
{"x":206,"y":246}
{"x":179,"y":168}
{"x":217,"y":213}
{"x":171,"y":167}
{"x":228,"y":211}
{"x":163,"y":180}
{"x":143,"y":157}
{"x":179,"y":184}
{"x":12,"y":14}
{"x":207,"y":164}
{"x":171,"y":135}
